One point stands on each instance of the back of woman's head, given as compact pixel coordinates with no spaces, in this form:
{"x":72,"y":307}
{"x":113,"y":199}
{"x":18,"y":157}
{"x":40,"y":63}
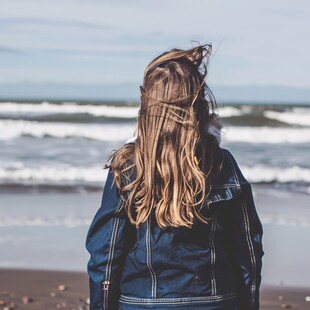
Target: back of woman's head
{"x":174,"y":155}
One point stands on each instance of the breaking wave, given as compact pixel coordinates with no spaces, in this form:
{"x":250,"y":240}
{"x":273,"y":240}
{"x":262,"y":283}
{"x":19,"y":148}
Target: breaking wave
{"x":297,"y":116}
{"x":264,"y":134}
{"x":52,"y":175}
{"x":12,"y":129}
{"x":46,"y":108}
{"x":69,"y":222}
{"x":96,"y":174}
{"x":96,"y":110}
{"x":263,"y":173}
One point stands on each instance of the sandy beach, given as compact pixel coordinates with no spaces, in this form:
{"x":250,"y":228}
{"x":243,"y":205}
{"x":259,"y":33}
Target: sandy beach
{"x":42,"y":289}
{"x":43,"y":259}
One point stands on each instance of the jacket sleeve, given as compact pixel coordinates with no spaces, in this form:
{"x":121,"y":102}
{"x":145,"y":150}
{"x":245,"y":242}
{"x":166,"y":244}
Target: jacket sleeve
{"x":107,"y":243}
{"x":245,"y":243}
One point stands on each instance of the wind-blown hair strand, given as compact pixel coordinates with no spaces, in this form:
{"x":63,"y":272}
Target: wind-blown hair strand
{"x":174,"y":157}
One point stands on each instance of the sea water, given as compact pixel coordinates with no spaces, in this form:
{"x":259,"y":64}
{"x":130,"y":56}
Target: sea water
{"x":51,"y":177}
{"x":67,"y":143}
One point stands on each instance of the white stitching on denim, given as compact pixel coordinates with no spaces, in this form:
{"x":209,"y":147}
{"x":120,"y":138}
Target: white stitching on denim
{"x":111,"y":254}
{"x":234,"y":171}
{"x":212,"y":249}
{"x":248,"y":238}
{"x":112,"y":242}
{"x":112,"y":248}
{"x":227,"y":185}
{"x":178,"y":300}
{"x":109,"y":265}
{"x":251,"y":249}
{"x":149,"y":257}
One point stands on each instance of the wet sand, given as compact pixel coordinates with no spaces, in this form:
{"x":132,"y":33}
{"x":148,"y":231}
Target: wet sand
{"x":52,"y":238}
{"x":44,"y":291}
{"x":44,"y":288}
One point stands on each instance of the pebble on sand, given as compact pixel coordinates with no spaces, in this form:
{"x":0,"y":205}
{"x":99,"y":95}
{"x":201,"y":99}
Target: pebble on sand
{"x":11,"y":306}
{"x":62,"y":287}
{"x":53,"y":294}
{"x":26,"y":300}
{"x":286,"y":306}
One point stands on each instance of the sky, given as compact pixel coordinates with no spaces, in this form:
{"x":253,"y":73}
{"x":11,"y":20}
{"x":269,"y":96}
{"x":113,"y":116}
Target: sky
{"x":97,"y":42}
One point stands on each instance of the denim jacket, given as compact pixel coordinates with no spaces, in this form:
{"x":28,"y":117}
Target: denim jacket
{"x":211,"y":266}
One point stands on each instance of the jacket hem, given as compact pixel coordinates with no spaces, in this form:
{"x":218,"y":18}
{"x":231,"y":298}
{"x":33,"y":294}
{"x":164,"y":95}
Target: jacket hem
{"x":182,"y":300}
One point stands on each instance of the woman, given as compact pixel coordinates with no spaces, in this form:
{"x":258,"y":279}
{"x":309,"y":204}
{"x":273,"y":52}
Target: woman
{"x":177,"y":226}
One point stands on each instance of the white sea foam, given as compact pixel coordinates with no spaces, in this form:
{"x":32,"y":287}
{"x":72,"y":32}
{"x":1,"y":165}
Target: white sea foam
{"x":262,"y":173}
{"x":12,"y":129}
{"x":96,"y":175}
{"x":73,"y":222}
{"x":286,"y":220}
{"x":69,"y":222}
{"x":294,"y":116}
{"x":230,"y":111}
{"x":46,"y":108}
{"x":297,"y":116}
{"x":266,"y":134}
{"x":52,"y":174}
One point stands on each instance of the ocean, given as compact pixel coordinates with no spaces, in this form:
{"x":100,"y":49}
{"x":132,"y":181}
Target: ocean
{"x":51,"y":178}
{"x":64,"y":145}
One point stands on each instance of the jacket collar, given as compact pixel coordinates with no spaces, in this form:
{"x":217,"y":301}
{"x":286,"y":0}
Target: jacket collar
{"x":221,"y":193}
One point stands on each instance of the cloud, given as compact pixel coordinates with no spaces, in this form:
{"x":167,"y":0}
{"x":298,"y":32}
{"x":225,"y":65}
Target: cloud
{"x":258,"y":42}
{"x":9,"y":50}
{"x":10,"y":23}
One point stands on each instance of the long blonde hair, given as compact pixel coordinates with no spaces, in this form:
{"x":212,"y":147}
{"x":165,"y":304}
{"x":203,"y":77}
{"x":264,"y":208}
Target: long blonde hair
{"x":174,"y":158}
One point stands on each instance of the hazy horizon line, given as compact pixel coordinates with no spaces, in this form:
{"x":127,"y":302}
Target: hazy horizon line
{"x":264,"y":94}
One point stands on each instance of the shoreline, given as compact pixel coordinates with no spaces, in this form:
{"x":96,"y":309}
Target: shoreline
{"x":50,"y":289}
{"x":48,"y":231}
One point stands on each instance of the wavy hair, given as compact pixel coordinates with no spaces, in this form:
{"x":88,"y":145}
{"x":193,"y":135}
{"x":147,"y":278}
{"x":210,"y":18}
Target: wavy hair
{"x":174,"y":157}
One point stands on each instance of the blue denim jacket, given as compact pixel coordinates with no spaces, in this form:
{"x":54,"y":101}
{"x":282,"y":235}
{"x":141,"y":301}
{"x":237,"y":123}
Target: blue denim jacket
{"x":210,"y":266}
